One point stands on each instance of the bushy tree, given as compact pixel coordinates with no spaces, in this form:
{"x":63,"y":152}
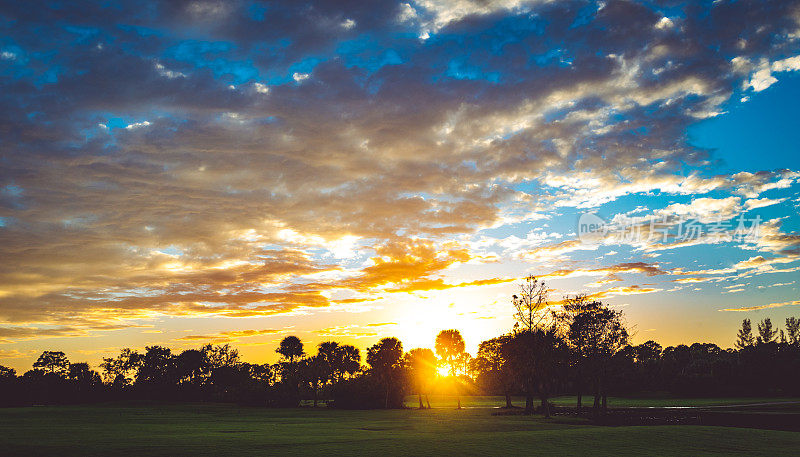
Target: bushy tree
{"x":492,"y":367}
{"x":52,"y":362}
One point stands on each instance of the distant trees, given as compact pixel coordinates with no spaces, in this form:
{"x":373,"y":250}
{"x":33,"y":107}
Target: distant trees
{"x":450,"y":348}
{"x":584,"y":347}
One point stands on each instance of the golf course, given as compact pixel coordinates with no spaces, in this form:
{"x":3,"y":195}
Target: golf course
{"x":477,"y":429}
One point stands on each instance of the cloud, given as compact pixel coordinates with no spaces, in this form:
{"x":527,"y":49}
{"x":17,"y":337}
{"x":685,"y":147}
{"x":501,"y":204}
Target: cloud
{"x":265,"y":163}
{"x":230,"y":336}
{"x":760,"y":307}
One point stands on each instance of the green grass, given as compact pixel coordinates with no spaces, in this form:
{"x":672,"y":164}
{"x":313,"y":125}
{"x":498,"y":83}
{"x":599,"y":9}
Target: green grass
{"x":446,"y":401}
{"x":200,"y":430}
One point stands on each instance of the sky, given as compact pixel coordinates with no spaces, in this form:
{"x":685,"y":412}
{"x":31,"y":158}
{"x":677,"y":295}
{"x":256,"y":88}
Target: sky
{"x":185,"y":172}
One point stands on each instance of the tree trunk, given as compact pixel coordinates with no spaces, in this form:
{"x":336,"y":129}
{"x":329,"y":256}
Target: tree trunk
{"x":458,"y":397}
{"x":315,"y":396}
{"x":508,"y":400}
{"x":386,"y":404}
{"x":428,"y":401}
{"x":421,"y":406}
{"x":605,"y":402}
{"x":596,"y":405}
{"x":545,"y":406}
{"x":528,"y":403}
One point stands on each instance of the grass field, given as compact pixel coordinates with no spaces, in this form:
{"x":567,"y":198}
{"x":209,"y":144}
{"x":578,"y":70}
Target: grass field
{"x":205,"y":429}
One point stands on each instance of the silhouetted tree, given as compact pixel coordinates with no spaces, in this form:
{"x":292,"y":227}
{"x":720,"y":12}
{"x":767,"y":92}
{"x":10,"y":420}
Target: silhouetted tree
{"x":384,"y":359}
{"x":745,"y":336}
{"x":156,"y":373}
{"x":221,"y":355}
{"x":121,"y":371}
{"x":53,"y":362}
{"x":793,"y":330}
{"x":538,"y":358}
{"x":191,"y":367}
{"x":291,"y":348}
{"x":313,"y":372}
{"x":602,"y":333}
{"x":530,"y":304}
{"x":340,"y":360}
{"x":7,"y":373}
{"x":766,"y":334}
{"x":576,"y":318}
{"x":450,"y":347}
{"x":421,"y":366}
{"x":491,"y":365}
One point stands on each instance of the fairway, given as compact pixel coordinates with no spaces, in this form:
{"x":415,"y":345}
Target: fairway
{"x":211,"y":429}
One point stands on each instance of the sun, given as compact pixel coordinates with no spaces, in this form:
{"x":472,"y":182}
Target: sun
{"x":443,"y":371}
{"x":420,"y":318}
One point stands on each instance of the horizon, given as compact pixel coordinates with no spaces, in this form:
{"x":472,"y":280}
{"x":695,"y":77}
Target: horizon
{"x":201,"y":172}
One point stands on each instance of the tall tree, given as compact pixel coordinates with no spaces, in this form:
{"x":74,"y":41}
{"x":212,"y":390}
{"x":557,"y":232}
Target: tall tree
{"x":421,"y":365}
{"x":450,"y":347}
{"x":793,"y":330}
{"x":530,"y":304}
{"x":766,"y":334}
{"x":291,"y":350}
{"x":54,"y":362}
{"x":600,"y":333}
{"x":580,"y":307}
{"x":384,"y":359}
{"x":744,"y":337}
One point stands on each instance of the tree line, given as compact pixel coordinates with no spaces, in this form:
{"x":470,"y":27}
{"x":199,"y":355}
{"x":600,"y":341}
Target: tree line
{"x":581,"y":348}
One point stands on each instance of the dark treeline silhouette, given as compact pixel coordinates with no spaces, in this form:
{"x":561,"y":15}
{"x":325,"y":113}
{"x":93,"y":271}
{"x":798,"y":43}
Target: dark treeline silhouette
{"x":581,"y":349}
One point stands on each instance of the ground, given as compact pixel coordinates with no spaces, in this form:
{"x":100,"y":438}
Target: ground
{"x":209,"y":429}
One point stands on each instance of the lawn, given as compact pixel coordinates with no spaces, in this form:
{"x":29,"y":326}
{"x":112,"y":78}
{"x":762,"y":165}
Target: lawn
{"x":205,"y":429}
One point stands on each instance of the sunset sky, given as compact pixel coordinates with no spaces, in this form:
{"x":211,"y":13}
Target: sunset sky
{"x":197,"y":171}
